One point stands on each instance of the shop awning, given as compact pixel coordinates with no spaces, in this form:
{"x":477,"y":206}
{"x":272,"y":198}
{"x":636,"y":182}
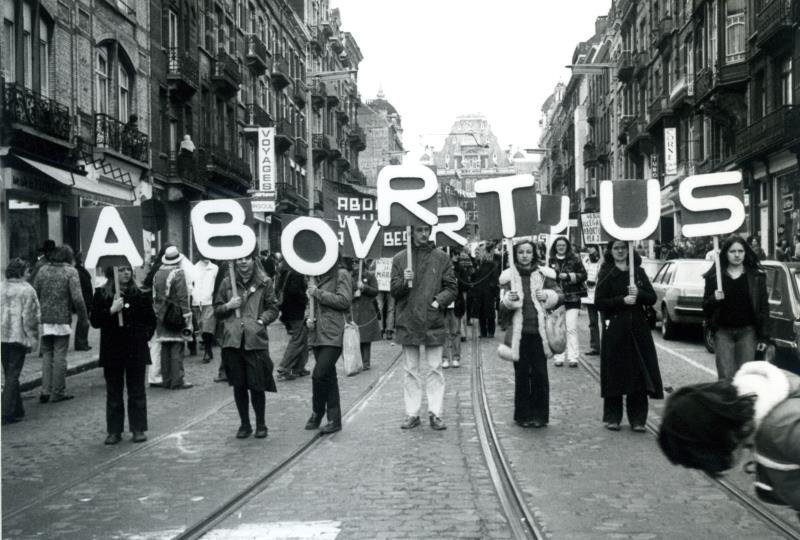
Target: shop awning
{"x":111,"y":193}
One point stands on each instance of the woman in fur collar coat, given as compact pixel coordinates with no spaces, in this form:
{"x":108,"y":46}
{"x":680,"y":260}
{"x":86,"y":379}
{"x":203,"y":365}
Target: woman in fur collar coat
{"x":706,"y":426}
{"x":526,"y":291}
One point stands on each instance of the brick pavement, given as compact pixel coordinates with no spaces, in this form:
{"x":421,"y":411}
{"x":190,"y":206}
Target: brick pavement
{"x":70,"y":485}
{"x":375,"y":481}
{"x":583,"y":481}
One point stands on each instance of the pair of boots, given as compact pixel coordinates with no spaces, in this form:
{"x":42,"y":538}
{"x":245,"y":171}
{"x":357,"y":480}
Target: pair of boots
{"x":334,"y":421}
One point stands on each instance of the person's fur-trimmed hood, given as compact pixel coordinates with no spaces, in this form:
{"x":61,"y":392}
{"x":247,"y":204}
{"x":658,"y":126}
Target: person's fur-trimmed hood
{"x":769,"y":384}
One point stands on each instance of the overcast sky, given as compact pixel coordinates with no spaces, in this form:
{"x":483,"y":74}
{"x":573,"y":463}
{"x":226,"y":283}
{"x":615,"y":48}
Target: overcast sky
{"x":437,"y":59}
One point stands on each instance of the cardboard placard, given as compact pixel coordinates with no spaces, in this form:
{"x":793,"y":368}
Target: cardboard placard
{"x":630,"y":209}
{"x":711,"y":204}
{"x":591,"y":229}
{"x":553,"y":213}
{"x":223,"y":228}
{"x":112,"y":236}
{"x":310,"y":246}
{"x":362,"y":239}
{"x":383,"y":273}
{"x":452,"y":230}
{"x":506,"y":206}
{"x":407,"y":195}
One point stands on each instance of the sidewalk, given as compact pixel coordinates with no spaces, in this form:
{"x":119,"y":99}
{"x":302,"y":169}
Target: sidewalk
{"x":77,"y":361}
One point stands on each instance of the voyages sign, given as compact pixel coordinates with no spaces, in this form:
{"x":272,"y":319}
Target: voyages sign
{"x":265,"y":194}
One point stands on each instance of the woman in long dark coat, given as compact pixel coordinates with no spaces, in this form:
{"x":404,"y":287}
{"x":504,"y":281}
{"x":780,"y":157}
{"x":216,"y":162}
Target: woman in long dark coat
{"x":365,"y":311}
{"x":628,"y":360}
{"x":124,"y":351}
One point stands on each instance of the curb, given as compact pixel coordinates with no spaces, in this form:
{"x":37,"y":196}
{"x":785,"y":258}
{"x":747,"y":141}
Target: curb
{"x":74,"y":370}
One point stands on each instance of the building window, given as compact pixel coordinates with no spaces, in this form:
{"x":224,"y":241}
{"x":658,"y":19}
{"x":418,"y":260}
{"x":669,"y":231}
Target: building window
{"x":172,"y":29}
{"x":113,"y":81}
{"x":786,"y":80}
{"x":101,"y":81}
{"x":712,"y":34}
{"x":27,"y":45}
{"x":44,"y":59}
{"x":9,"y":57}
{"x":734,"y":31}
{"x":124,"y":93}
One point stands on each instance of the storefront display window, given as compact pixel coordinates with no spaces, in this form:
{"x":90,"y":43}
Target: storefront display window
{"x":24,"y":228}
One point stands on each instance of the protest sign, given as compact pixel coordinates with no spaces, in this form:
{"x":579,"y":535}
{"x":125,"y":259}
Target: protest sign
{"x":590,"y":227}
{"x":553,"y":213}
{"x":309,"y":245}
{"x":361,"y":239}
{"x":506,"y":206}
{"x":450,"y":231}
{"x":383,"y":273}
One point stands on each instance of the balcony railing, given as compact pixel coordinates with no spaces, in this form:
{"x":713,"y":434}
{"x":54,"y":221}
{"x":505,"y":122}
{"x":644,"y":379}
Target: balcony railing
{"x":286,"y":193}
{"x":225,"y":162}
{"x":703,"y":82}
{"x":182,"y":70}
{"x":300,"y":150}
{"x":319,"y":93}
{"x":226,"y":72}
{"x":284,"y":135}
{"x":662,"y":31}
{"x":123,"y":138}
{"x":257,"y":55}
{"x":280,"y":73}
{"x":358,"y":138}
{"x":257,"y":116}
{"x":299,"y":92}
{"x":624,"y":66}
{"x":26,"y":107}
{"x":776,"y":129}
{"x":659,"y":107}
{"x":773,"y":20}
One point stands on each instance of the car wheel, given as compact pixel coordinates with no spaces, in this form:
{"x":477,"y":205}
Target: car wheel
{"x":667,"y":326}
{"x":708,"y":338}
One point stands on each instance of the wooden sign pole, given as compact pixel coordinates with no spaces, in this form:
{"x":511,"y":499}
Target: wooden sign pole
{"x":232,"y":274}
{"x":631,"y":255}
{"x":716,"y":263}
{"x":116,"y":292}
{"x":409,"y":244}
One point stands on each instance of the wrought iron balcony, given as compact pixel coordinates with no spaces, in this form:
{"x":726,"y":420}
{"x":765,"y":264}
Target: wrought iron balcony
{"x":624,"y":66}
{"x":125,"y":139}
{"x":280,"y":73}
{"x":327,"y":28}
{"x":775,"y":22}
{"x":319,"y":146}
{"x":334,"y":152}
{"x":703,"y":83}
{"x":182,"y":165}
{"x":226,"y":73}
{"x":358,"y":138}
{"x":183,"y":74}
{"x":24,"y":107}
{"x":300,"y":150}
{"x":284,"y":135}
{"x":777,"y":129}
{"x":662,"y":31}
{"x":257,"y":56}
{"x":319,"y":94}
{"x":300,"y":93}
{"x":257,"y":116}
{"x":333,"y":97}
{"x":682,"y":93}
{"x":223,"y":162}
{"x":659,"y":109}
{"x":288,"y":195}
{"x":318,"y":39}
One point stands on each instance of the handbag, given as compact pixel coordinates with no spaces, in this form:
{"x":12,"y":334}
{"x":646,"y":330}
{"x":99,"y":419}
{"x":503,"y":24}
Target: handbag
{"x":351,"y":348}
{"x":173,"y":315}
{"x":555,"y":324}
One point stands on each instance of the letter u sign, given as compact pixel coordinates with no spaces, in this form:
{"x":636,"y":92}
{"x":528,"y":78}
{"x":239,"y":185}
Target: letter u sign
{"x":623,"y":199}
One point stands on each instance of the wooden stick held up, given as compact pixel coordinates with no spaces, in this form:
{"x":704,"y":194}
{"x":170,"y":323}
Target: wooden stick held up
{"x":116,"y":292}
{"x":409,"y":264}
{"x":234,"y":293}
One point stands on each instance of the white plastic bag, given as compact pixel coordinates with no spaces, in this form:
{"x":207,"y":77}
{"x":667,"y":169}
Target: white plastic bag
{"x":351,"y":348}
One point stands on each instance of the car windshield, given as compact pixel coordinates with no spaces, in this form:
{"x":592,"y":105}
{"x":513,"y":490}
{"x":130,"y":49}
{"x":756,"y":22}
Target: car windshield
{"x":651,"y":267}
{"x":692,"y":272}
{"x":797,"y":279}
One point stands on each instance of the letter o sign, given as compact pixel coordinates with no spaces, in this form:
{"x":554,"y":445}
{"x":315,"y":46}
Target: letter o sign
{"x":326,"y":234}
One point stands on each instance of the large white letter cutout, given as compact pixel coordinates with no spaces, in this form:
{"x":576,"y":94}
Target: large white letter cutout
{"x":360,"y":248}
{"x":321,"y":229}
{"x":628,"y":234}
{"x":408,"y":198}
{"x":205,"y":231}
{"x":450,"y":229}
{"x":563,"y":220}
{"x":720,"y":202}
{"x":110,"y":219}
{"x":504,"y":190}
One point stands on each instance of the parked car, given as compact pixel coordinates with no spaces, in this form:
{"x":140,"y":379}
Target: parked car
{"x":679,"y":287}
{"x":651,"y":267}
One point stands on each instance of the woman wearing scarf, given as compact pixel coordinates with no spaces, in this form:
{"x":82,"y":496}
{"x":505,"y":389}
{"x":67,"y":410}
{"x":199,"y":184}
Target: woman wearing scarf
{"x":245,"y":342}
{"x":124,"y":351}
{"x":332,"y":297}
{"x":628,"y":360}
{"x":571,"y":276}
{"x":525,"y":292}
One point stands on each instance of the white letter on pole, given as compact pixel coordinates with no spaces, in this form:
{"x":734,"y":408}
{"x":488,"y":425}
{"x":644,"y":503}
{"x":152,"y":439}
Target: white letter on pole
{"x":720,"y":202}
{"x":360,"y":248}
{"x":110,"y":219}
{"x":630,"y":234}
{"x":321,"y":229}
{"x":408,"y":198}
{"x":504,"y":188}
{"x":449,"y":229}
{"x":205,"y":231}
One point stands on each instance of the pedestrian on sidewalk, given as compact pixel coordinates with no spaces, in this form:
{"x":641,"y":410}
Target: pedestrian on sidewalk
{"x":739,"y":313}
{"x":592,"y":268}
{"x":452,"y":317}
{"x":124,"y":351}
{"x":59,"y":290}
{"x":571,"y":276}
{"x":709,"y":427}
{"x":628,"y":360}
{"x":205,"y":275}
{"x":47,"y":249}
{"x":245,"y":340}
{"x":170,"y":292}
{"x":292,"y":300}
{"x":87,"y":288}
{"x":365,"y":309}
{"x":420,"y":322}
{"x":19,"y":333}
{"x":333,"y":296}
{"x":526,"y":290}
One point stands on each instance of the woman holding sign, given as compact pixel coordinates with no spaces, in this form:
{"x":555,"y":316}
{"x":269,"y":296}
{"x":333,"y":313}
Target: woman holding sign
{"x":124,"y":350}
{"x":628,"y":360}
{"x":332,"y":297}
{"x":737,"y":312}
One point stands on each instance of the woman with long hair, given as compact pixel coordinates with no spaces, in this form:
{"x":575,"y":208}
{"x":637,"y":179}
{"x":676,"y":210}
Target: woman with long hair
{"x":124,"y":351}
{"x":332,"y":297}
{"x":365,"y":309}
{"x":738,"y":311}
{"x":628,"y":360}
{"x":571,"y":277}
{"x":526,"y":290}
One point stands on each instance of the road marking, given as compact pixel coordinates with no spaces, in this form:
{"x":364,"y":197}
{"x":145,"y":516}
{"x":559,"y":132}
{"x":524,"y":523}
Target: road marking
{"x":319,"y":530}
{"x":687,"y":359}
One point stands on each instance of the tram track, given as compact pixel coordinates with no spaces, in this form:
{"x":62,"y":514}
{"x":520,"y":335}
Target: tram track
{"x":520,"y":519}
{"x":753,"y":505}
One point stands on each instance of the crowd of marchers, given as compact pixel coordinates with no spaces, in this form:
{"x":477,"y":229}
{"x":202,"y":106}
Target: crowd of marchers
{"x":534,"y":293}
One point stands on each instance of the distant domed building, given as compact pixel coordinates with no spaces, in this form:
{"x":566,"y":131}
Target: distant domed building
{"x":383,"y":127}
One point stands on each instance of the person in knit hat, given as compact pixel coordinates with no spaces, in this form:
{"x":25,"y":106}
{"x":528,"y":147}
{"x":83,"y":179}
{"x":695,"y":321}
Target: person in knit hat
{"x":526,"y":290}
{"x":708,"y":426}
